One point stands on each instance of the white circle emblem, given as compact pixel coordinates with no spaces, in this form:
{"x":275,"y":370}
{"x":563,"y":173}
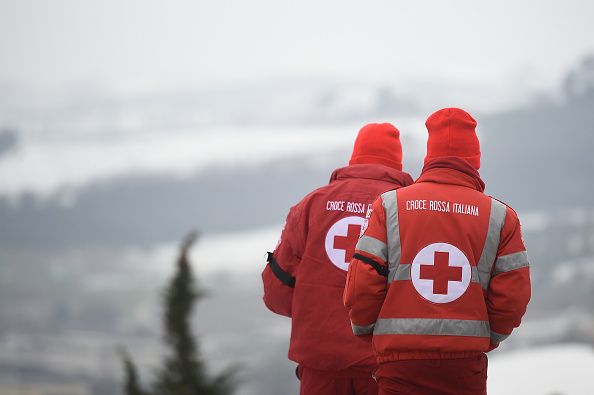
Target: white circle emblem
{"x":341,"y":240}
{"x":440,"y":273}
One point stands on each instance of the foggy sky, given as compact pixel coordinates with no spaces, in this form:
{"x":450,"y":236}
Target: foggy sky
{"x":146,"y":45}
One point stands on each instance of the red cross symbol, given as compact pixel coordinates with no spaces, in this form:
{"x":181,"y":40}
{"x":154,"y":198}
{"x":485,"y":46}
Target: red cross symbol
{"x":441,"y":272}
{"x":349,"y":242}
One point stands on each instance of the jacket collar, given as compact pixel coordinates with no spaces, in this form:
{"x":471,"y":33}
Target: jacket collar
{"x":451,"y":170}
{"x":372,"y":172}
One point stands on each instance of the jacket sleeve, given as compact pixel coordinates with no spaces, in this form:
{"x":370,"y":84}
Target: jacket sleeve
{"x":509,"y":290}
{"x":366,"y":282}
{"x":278,"y":292}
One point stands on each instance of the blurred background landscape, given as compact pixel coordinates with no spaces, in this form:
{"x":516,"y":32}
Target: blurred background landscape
{"x":125,"y":124}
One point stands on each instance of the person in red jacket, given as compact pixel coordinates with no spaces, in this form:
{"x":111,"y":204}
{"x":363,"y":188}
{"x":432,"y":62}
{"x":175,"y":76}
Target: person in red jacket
{"x":305,"y":276}
{"x":441,"y":274}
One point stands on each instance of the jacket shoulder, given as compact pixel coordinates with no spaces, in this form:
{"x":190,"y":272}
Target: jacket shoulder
{"x":505,"y":204}
{"x":390,"y":192}
{"x":509,"y":210}
{"x":305,"y":202}
{"x":320,"y":191}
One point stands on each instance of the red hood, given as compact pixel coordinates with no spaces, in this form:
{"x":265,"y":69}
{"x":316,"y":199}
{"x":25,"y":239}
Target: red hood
{"x":451,"y":170}
{"x":373,"y":172}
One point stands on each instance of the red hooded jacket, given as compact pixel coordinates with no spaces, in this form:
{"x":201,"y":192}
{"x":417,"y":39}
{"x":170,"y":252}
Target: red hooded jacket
{"x":441,"y":271}
{"x":315,"y":249}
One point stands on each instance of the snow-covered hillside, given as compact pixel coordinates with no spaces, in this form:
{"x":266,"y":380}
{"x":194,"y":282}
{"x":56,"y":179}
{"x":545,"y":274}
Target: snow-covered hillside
{"x":44,"y":167}
{"x":76,"y":142}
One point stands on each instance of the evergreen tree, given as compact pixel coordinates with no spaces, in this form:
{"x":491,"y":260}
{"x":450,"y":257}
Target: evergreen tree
{"x":131,"y":386}
{"x":183,"y":371}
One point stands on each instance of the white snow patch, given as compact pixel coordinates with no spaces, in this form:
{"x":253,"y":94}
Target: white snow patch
{"x":231,"y":253}
{"x":534,"y":221}
{"x":557,"y":369}
{"x":576,"y":269}
{"x":237,"y":252}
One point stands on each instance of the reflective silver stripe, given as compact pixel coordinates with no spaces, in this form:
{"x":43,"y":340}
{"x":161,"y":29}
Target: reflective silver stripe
{"x":362,"y":330}
{"x":431,"y":326}
{"x":402,"y":272}
{"x":497,"y":338}
{"x":390,"y":203}
{"x":510,"y":262}
{"x":474,"y":276}
{"x":489,"y":253}
{"x":373,"y":246}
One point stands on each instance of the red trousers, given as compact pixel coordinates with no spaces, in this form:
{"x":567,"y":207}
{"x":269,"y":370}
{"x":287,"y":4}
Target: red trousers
{"x":345,"y":382}
{"x":465,"y":376}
